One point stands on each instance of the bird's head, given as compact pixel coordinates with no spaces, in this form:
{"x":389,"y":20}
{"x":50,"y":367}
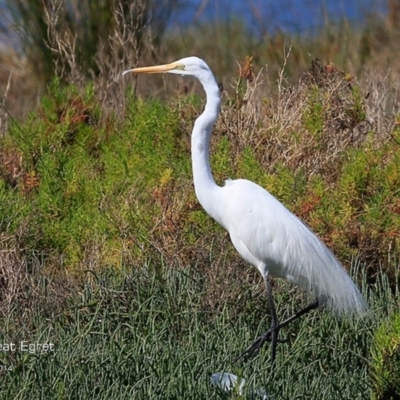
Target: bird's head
{"x":188,"y":66}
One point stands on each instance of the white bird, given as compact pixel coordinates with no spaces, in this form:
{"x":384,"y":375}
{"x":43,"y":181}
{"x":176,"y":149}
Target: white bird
{"x":264,"y":232}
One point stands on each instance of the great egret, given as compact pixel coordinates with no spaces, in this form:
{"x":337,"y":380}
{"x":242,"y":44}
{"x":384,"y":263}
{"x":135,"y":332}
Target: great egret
{"x":264,"y":232}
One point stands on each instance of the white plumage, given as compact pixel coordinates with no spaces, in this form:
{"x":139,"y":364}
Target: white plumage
{"x":270,"y":237}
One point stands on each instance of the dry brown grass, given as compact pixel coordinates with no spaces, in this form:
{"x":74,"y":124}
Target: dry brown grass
{"x":271,"y":117}
{"x":19,"y":90}
{"x":31,"y":281}
{"x":221,"y":45}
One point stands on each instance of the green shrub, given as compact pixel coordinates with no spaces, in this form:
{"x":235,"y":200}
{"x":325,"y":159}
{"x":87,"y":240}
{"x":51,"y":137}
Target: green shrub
{"x":385,"y":360}
{"x":76,"y":182}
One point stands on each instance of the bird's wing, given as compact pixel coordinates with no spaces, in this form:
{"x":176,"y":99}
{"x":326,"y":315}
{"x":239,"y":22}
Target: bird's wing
{"x":267,"y":234}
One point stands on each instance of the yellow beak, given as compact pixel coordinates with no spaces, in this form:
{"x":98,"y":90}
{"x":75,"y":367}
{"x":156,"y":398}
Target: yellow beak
{"x":153,"y":70}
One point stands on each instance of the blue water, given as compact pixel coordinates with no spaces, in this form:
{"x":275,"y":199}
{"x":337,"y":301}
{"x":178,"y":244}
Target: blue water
{"x":280,"y":15}
{"x":259,"y":15}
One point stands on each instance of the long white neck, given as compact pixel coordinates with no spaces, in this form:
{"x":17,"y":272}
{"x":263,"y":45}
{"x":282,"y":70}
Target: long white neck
{"x":204,"y":184}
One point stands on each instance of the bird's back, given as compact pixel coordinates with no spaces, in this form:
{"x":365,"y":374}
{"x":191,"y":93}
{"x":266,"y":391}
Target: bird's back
{"x":274,"y":240}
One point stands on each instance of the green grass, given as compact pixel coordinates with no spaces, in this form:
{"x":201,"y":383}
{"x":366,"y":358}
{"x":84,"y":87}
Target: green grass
{"x":148,"y":333}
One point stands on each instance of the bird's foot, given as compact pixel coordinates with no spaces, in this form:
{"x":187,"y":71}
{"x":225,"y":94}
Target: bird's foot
{"x":255,"y":347}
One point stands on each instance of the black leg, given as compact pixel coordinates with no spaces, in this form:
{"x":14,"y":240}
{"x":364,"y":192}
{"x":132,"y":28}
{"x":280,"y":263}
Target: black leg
{"x":274,"y":321}
{"x":253,"y":349}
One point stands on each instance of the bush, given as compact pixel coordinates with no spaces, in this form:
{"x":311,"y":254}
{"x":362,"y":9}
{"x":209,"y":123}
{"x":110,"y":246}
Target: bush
{"x":385,"y":363}
{"x":78,"y":179}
